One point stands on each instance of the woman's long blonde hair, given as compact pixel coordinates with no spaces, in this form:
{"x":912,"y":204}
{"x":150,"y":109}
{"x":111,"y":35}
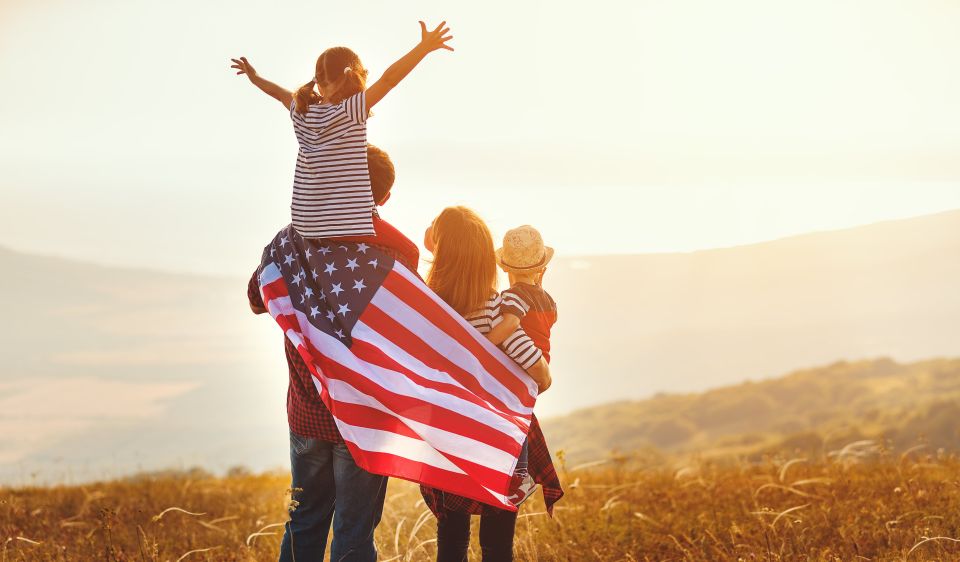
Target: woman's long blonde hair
{"x":464,"y":268}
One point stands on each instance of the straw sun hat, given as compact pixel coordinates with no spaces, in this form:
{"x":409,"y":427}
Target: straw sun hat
{"x":523,"y":251}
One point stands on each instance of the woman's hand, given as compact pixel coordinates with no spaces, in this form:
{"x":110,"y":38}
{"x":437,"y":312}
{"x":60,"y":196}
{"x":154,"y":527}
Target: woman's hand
{"x":540,"y":373}
{"x":244,"y":67}
{"x":437,"y":39}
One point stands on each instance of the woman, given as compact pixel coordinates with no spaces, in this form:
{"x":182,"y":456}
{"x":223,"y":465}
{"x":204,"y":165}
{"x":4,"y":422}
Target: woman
{"x":464,"y":274}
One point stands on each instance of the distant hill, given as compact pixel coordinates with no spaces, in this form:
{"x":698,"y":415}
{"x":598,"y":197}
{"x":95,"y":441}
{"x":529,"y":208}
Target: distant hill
{"x":812,"y":410}
{"x":631,"y":326}
{"x":106,"y":368}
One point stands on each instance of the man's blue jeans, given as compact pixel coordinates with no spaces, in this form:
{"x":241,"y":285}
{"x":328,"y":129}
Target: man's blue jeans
{"x":334,"y":489}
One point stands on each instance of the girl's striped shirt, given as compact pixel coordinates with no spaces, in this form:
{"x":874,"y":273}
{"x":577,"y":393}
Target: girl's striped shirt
{"x":518,"y":345}
{"x":331,"y":183}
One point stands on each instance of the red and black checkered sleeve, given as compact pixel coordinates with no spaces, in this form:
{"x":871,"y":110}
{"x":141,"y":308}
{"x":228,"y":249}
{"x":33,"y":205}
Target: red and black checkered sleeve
{"x":253,"y":293}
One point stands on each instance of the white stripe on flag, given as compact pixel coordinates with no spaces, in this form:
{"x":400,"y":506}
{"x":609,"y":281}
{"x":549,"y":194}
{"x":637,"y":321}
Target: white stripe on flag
{"x":448,"y":347}
{"x":441,"y":439}
{"x":477,"y":336}
{"x":377,"y":441}
{"x":364,"y":333}
{"x":339,"y":353}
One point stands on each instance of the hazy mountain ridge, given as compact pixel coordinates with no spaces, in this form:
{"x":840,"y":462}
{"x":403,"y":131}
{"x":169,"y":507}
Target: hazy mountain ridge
{"x":149,"y":369}
{"x":810,"y":410}
{"x":631,"y":326}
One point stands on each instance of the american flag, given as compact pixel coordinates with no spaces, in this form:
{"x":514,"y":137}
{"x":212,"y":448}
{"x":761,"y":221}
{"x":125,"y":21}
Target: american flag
{"x":416,"y":392}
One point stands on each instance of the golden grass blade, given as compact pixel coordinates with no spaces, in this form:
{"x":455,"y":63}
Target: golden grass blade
{"x":212,"y":527}
{"x":929,"y":539}
{"x":396,"y":535}
{"x":785,"y":489}
{"x":196,"y":551}
{"x":611,"y":502}
{"x":421,"y":521}
{"x":806,"y":481}
{"x":261,"y":533}
{"x":786,"y":511}
{"x":179,"y":509}
{"x":590,"y":464}
{"x":26,"y":540}
{"x":648,"y":519}
{"x":534,"y":514}
{"x":786,"y":466}
{"x":906,"y":454}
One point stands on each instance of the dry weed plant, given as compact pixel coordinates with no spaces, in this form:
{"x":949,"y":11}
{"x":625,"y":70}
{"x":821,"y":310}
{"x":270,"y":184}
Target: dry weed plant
{"x":857,"y":503}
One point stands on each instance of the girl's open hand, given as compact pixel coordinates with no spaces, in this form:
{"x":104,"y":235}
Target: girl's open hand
{"x":436,"y":39}
{"x":243,"y":67}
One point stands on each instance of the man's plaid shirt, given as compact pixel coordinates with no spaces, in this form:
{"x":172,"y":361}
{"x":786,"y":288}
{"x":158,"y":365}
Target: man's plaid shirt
{"x":306,"y":413}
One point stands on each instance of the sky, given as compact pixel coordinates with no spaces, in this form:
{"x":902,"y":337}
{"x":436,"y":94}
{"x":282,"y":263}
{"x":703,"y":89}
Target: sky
{"x":614,"y":127}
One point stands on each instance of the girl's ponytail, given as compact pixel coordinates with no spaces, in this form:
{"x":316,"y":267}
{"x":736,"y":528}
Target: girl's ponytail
{"x":340,"y":71}
{"x":354,"y":82}
{"x":305,"y":96}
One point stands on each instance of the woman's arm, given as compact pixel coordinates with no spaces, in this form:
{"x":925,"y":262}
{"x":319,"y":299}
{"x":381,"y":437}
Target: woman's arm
{"x":506,"y":327}
{"x":429,"y":41}
{"x":540,"y":373}
{"x":276,"y":92}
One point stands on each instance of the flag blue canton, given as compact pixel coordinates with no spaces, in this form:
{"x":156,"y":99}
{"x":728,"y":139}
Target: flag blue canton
{"x":330,"y":282}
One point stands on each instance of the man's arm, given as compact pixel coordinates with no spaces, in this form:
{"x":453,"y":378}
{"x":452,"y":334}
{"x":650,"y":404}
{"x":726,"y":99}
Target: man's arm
{"x":429,"y":41}
{"x":276,"y":92}
{"x":253,"y":294}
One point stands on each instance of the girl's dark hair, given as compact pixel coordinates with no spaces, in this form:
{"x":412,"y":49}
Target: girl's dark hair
{"x":382,"y":173}
{"x":338,"y":84}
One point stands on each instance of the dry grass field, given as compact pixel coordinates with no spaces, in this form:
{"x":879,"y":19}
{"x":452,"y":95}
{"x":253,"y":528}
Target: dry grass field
{"x":860,"y":505}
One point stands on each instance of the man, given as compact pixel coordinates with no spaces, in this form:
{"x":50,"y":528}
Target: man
{"x":328,"y":485}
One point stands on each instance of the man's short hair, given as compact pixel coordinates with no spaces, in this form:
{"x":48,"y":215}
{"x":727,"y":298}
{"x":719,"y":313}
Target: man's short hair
{"x":382,"y":173}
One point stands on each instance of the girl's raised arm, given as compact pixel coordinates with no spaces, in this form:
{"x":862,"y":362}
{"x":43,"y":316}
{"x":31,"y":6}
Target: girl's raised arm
{"x":429,"y":41}
{"x":276,"y":92}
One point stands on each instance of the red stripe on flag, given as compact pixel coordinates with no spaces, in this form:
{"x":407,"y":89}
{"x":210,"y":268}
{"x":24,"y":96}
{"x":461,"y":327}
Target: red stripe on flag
{"x":428,"y":308}
{"x":400,"y":467}
{"x":410,"y":342}
{"x":422,"y":411}
{"x":376,"y":356}
{"x":366,"y":416}
{"x":276,"y":289}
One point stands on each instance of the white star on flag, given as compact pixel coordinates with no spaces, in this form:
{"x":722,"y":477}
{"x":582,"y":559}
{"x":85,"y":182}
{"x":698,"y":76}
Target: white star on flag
{"x":351,"y":264}
{"x":343,"y":309}
{"x":335,"y":289}
{"x":362,"y":248}
{"x":330,"y":268}
{"x":358,"y":285}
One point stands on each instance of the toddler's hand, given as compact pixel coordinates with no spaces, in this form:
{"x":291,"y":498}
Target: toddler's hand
{"x":244,"y":67}
{"x":436,"y":39}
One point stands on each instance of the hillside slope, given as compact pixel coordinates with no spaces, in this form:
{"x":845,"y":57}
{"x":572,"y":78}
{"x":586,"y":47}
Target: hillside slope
{"x":812,"y":410}
{"x":631,"y":326}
